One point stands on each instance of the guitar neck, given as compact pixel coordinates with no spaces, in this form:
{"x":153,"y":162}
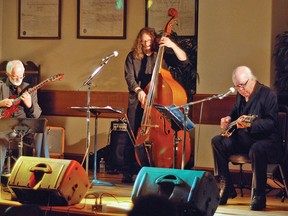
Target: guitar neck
{"x":232,"y":124}
{"x":31,"y":90}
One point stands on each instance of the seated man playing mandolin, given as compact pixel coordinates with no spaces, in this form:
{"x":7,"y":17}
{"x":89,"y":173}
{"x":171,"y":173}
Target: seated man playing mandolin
{"x":254,"y":118}
{"x":10,"y":89}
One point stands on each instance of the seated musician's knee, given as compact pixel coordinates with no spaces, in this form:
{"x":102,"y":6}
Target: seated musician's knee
{"x":257,"y":152}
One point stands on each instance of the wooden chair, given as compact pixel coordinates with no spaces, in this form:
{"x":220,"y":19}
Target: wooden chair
{"x":241,"y":159}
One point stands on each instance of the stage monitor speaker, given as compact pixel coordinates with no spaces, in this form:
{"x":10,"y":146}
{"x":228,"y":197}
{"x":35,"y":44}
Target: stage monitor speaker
{"x":193,"y":192}
{"x":47,"y":181}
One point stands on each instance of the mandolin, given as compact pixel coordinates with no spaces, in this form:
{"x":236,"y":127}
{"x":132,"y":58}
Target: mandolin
{"x":6,"y":112}
{"x":247,"y":121}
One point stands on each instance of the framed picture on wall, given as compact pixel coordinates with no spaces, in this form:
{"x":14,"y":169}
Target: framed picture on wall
{"x":157,"y":15}
{"x":98,"y":19}
{"x":39,"y":19}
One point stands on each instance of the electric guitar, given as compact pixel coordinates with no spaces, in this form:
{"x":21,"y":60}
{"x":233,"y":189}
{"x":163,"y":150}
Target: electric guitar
{"x":247,"y":121}
{"x":6,"y":112}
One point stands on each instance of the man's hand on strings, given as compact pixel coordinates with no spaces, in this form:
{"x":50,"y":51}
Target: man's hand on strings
{"x":142,"y":98}
{"x":242,"y":122}
{"x":26,"y":98}
{"x":224,"y":122}
{"x":165,"y":41}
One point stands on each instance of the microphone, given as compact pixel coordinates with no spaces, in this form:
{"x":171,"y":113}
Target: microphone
{"x":114,"y":54}
{"x":231,"y":90}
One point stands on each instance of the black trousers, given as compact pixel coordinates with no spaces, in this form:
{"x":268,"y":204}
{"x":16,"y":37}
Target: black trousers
{"x":223,"y":147}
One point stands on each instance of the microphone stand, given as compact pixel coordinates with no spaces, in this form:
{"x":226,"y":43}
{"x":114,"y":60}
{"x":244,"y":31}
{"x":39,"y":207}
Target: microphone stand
{"x":186,"y":112}
{"x":88,"y":117}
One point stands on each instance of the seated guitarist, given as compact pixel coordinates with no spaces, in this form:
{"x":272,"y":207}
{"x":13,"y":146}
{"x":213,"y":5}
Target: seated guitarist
{"x":11,"y":88}
{"x":259,"y":138}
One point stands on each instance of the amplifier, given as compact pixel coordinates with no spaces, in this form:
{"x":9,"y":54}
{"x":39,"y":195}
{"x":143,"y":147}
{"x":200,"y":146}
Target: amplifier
{"x":120,"y":145}
{"x":56,"y":141}
{"x":118,"y":126}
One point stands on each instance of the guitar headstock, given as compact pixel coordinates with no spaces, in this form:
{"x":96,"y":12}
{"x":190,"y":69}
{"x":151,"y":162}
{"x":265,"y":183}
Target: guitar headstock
{"x":56,"y":77}
{"x":248,"y":119}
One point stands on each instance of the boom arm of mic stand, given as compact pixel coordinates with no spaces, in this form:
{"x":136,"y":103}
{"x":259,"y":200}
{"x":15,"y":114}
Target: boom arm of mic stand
{"x":195,"y":102}
{"x":95,"y":72}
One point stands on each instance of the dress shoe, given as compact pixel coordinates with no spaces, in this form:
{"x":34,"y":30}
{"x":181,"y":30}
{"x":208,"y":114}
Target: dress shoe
{"x":226,"y":191}
{"x":225,"y":194}
{"x":258,"y":203}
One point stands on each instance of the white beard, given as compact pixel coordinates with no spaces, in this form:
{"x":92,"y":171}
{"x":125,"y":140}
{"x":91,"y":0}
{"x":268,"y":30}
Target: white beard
{"x":15,"y":83}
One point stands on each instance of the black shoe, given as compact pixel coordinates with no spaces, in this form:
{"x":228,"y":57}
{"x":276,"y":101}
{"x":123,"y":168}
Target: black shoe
{"x":127,"y":178}
{"x":226,"y":192}
{"x":258,"y":203}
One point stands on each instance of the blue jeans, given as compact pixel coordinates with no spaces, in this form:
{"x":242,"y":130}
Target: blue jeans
{"x":39,"y":141}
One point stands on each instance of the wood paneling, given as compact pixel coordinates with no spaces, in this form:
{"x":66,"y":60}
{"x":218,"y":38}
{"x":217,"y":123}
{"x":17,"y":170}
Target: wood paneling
{"x":58,"y":103}
{"x":212,"y":110}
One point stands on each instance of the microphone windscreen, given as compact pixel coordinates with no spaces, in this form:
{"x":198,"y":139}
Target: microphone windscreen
{"x":115,"y":53}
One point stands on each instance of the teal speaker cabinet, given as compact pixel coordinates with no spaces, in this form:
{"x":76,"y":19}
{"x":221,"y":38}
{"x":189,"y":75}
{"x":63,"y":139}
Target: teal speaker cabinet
{"x":193,"y":192}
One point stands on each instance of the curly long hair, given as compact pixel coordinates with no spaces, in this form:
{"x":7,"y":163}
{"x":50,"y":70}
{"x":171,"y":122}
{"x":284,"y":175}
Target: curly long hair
{"x":138,"y":46}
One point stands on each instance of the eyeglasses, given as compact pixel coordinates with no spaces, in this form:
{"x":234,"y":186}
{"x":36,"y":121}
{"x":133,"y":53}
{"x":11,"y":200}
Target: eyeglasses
{"x":243,"y":85}
{"x":146,"y":41}
{"x":17,"y":77}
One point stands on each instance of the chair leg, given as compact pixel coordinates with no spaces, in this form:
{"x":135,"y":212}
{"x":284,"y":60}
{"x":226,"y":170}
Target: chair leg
{"x":284,"y":179}
{"x":9,"y":156}
{"x":241,"y":184}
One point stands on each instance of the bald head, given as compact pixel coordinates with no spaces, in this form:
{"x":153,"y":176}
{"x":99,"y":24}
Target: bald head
{"x":242,"y":72}
{"x":244,"y":81}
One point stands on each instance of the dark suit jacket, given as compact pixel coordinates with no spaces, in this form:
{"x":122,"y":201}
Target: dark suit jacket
{"x":263,"y":103}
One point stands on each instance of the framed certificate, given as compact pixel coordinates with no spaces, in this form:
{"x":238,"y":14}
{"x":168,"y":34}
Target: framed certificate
{"x":39,"y":19}
{"x":101,"y":19}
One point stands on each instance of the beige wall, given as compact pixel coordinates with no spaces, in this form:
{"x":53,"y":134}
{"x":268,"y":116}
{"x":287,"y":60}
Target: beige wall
{"x":231,"y":33}
{"x":77,"y":58}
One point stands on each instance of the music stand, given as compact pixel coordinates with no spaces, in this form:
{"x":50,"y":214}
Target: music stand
{"x":97,"y":111}
{"x":21,"y":127}
{"x":178,"y":122}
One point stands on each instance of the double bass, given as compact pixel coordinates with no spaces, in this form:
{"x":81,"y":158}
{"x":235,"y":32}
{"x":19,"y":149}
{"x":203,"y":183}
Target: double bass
{"x":156,"y":135}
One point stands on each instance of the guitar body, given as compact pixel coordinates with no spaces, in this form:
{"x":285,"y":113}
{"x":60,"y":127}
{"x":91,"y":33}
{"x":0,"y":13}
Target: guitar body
{"x":233,"y":125}
{"x":8,"y":111}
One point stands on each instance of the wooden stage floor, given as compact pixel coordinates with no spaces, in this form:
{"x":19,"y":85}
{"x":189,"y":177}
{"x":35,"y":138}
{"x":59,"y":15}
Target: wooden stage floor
{"x":118,"y":202}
